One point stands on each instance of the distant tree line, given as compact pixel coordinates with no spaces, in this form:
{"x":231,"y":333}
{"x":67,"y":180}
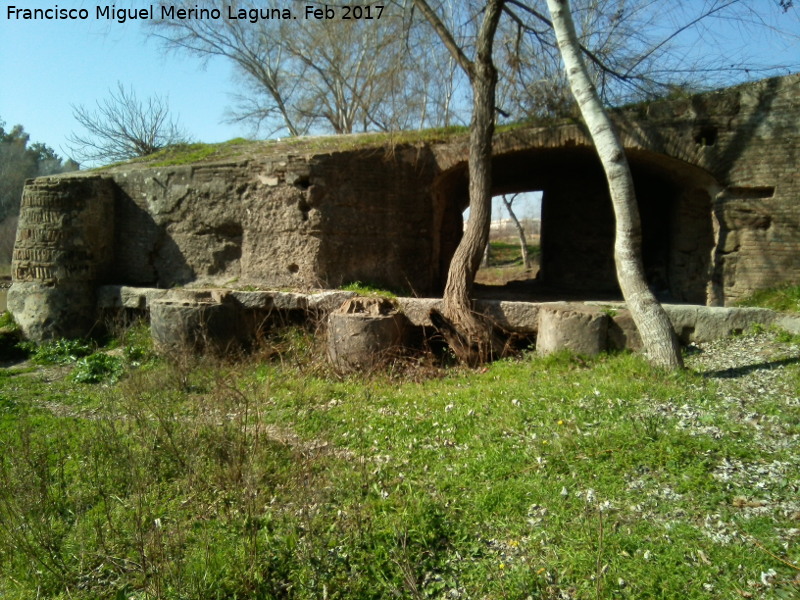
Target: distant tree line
{"x":21,"y":160}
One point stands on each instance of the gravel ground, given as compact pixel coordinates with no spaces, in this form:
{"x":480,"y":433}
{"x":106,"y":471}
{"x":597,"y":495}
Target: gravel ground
{"x":758,"y":391}
{"x":754,"y":385}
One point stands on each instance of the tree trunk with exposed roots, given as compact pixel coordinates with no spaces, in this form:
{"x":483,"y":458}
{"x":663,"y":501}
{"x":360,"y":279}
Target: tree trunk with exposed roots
{"x":658,"y":337}
{"x":469,"y":334}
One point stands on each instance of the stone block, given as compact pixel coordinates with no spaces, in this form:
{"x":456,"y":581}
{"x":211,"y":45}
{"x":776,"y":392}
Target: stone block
{"x":365,"y":332}
{"x":326,"y":302}
{"x":622,"y":333}
{"x":417,"y":310}
{"x":706,"y":323}
{"x":180,"y":327}
{"x":45,"y":311}
{"x":579,"y":328}
{"x":521,"y":317}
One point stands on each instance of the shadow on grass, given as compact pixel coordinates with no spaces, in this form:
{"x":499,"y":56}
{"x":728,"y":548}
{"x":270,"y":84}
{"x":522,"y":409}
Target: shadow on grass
{"x":734,"y":372}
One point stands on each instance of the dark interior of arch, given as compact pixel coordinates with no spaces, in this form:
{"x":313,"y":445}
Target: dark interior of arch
{"x":577,"y":230}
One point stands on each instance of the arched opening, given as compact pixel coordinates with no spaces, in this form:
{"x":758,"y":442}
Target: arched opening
{"x":577,"y":223}
{"x":514,"y":251}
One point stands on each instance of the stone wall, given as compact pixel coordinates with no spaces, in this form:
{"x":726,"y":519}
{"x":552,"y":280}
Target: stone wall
{"x":716,"y":176}
{"x":748,"y":139}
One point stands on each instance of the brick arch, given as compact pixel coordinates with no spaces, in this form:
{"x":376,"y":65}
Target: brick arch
{"x":675,"y":201}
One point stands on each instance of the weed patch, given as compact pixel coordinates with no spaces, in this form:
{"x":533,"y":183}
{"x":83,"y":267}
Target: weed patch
{"x":98,"y":368}
{"x":372,"y":290}
{"x":58,"y":352}
{"x":554,"y":477}
{"x":784,"y":299}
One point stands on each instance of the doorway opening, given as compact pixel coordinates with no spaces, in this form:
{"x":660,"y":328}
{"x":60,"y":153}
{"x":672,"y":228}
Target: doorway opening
{"x":514,"y":250}
{"x":574,"y":256}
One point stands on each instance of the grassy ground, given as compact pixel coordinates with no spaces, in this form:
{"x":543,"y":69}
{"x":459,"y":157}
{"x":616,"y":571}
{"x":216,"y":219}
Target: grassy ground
{"x":270,"y":477}
{"x":505,"y":263}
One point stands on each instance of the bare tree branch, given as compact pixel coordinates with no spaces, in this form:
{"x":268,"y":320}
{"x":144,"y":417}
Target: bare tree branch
{"x":123,"y":127}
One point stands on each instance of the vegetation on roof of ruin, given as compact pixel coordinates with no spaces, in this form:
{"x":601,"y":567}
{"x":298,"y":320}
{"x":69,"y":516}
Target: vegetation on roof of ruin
{"x":239,"y":148}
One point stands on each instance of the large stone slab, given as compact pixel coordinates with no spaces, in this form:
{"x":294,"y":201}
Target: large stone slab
{"x":123,"y":296}
{"x":181,"y":327}
{"x":704,"y":323}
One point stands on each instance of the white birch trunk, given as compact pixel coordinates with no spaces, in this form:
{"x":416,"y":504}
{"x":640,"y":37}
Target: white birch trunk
{"x":659,"y":340}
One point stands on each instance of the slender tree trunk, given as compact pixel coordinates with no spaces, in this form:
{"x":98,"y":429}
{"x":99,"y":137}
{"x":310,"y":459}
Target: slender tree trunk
{"x":523,"y":243}
{"x":485,"y":258}
{"x":659,"y":340}
{"x":474,"y":340}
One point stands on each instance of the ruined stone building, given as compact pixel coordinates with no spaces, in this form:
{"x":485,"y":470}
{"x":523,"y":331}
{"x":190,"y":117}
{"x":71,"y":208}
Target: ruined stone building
{"x":716,"y":177}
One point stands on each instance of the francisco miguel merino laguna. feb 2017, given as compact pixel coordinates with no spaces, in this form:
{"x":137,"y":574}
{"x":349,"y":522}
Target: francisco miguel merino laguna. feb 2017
{"x":169,"y":12}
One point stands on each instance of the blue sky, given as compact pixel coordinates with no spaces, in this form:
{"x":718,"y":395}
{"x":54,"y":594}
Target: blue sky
{"x":48,"y":66}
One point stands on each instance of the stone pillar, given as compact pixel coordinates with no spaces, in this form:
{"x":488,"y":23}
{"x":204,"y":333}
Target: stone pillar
{"x":64,"y":246}
{"x":365,"y":332}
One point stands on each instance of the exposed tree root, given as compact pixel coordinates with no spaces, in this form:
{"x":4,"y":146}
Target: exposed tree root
{"x":475,"y":340}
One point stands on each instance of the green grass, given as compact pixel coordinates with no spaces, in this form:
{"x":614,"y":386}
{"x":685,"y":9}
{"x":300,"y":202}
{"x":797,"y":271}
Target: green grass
{"x":784,"y":299}
{"x":557,"y":477}
{"x":369,"y":289}
{"x":504,"y":254}
{"x":58,"y":352}
{"x":183,"y":154}
{"x":505,"y":264}
{"x":7,"y":321}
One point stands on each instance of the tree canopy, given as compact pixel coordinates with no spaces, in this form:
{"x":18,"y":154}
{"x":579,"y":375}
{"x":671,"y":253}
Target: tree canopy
{"x":21,"y":160}
{"x":297,"y":77}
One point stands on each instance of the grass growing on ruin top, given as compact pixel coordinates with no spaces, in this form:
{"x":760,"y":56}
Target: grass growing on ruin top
{"x":183,"y":154}
{"x":372,"y":290}
{"x":271,"y":477}
{"x":238,"y":148}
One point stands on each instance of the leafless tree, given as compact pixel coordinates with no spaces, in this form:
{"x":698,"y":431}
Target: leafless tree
{"x":123,"y":127}
{"x":508,"y":202}
{"x":469,"y":335}
{"x":332,"y":75}
{"x":354,"y":75}
{"x":635,"y":50}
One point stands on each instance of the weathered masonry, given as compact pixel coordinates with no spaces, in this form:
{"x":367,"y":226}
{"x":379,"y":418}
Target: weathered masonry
{"x":716,"y":176}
